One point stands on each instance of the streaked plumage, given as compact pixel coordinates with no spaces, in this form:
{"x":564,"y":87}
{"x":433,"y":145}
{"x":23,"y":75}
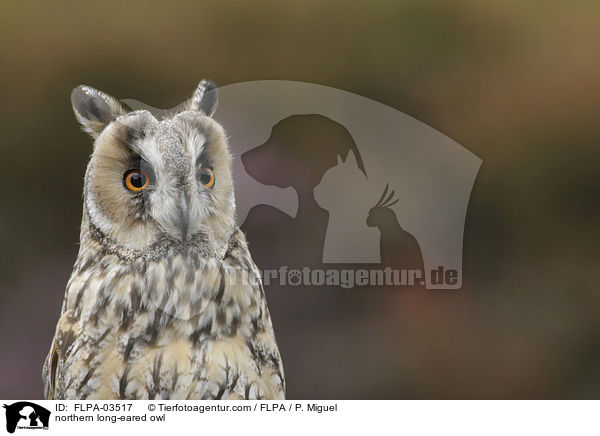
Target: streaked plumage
{"x":156,"y":306}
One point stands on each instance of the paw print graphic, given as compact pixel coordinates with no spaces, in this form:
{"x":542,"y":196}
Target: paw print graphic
{"x":294,"y":277}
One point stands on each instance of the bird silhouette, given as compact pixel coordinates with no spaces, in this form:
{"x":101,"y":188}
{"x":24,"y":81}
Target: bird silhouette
{"x":398,"y":248}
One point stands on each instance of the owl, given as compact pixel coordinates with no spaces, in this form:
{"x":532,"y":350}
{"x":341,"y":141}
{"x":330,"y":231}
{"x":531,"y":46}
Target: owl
{"x":164,"y":301}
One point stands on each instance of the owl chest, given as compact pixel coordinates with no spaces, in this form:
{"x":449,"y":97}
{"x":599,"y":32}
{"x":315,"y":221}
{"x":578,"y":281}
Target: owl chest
{"x":174,"y":366}
{"x":206,"y":340}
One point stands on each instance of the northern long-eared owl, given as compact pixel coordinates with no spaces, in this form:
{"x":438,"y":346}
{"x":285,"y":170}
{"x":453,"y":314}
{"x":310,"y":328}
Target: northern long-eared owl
{"x":164,"y":301}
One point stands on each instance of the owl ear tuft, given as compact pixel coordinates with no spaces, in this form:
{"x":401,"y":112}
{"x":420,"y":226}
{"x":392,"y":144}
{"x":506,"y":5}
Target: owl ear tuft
{"x":205,"y":98}
{"x":94,"y":109}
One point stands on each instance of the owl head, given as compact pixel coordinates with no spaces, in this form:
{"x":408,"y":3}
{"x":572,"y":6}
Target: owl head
{"x":156,"y":180}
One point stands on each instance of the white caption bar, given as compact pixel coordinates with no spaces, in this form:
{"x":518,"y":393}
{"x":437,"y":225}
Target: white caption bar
{"x":256,"y":417}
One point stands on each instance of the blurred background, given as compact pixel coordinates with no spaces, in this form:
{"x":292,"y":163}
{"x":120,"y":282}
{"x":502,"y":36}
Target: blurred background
{"x":514,"y":82}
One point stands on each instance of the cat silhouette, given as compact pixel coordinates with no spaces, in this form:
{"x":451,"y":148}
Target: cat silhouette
{"x":345,"y":192}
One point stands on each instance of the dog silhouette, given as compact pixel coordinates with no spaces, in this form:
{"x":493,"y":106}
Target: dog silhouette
{"x":33,"y":412}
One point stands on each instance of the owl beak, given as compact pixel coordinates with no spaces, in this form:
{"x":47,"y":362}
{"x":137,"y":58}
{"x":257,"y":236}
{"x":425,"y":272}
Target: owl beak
{"x":184,"y":216}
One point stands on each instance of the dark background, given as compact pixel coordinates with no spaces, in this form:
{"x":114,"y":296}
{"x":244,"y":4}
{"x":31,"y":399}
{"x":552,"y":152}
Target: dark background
{"x":515,"y":82}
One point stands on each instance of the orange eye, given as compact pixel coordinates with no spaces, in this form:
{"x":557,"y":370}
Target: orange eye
{"x":135,"y":180}
{"x":207,"y":177}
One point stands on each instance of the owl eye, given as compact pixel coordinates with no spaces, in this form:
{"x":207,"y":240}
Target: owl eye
{"x":207,"y":177}
{"x":135,"y":180}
